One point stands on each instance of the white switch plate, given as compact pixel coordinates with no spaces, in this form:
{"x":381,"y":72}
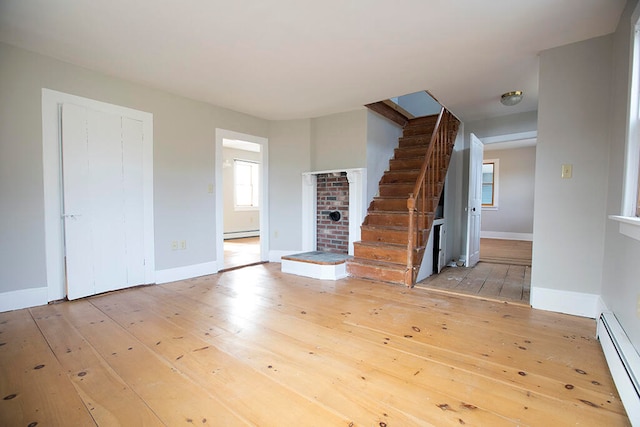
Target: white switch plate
{"x":567,"y":171}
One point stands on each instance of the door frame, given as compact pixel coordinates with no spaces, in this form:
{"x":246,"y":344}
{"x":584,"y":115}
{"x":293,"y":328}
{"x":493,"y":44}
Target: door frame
{"x":53,"y":192}
{"x":474,"y":205}
{"x":222,"y":134}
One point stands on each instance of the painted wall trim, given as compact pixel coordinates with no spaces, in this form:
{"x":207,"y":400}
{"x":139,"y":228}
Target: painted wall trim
{"x":241,"y":234}
{"x":186,"y":272}
{"x":567,"y":302}
{"x":220,"y":135}
{"x":506,"y":235}
{"x":23,"y":298}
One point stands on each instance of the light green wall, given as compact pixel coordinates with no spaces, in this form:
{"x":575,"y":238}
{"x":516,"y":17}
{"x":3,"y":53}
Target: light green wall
{"x":516,"y":174}
{"x":184,"y":139}
{"x":339,"y":141}
{"x":289,"y":158}
{"x":573,"y":128}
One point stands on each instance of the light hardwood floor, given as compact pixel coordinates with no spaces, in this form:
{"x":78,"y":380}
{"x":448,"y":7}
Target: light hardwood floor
{"x":500,"y":251}
{"x":255,"y":346}
{"x":498,"y":282}
{"x":241,"y":252}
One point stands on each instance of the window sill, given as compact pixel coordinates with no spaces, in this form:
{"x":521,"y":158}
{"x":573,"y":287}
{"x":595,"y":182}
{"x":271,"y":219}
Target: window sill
{"x":629,"y":226}
{"x":489,"y":208}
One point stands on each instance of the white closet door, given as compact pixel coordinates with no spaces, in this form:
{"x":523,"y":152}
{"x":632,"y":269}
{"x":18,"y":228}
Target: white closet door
{"x":133,"y":179}
{"x":77,"y":222}
{"x":103,"y":201}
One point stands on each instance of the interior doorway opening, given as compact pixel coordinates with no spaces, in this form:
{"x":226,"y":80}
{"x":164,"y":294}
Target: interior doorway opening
{"x":241,"y":199}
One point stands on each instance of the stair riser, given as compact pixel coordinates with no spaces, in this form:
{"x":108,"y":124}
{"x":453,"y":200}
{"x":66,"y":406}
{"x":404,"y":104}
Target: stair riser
{"x":374,"y":273}
{"x":397,"y":205}
{"x":406,"y":163}
{"x":391,"y":177}
{"x":395,"y":190}
{"x":412,"y":141}
{"x":387,"y":220}
{"x":400,"y":237}
{"x":426,"y":129}
{"x":403,"y":153}
{"x":387,"y":254}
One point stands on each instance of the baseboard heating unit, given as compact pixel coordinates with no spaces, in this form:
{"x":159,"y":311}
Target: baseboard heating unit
{"x":624,"y":363}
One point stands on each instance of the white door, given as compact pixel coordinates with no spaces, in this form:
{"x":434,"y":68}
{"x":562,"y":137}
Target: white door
{"x":475,"y":201}
{"x":442,"y":251}
{"x":102,"y":201}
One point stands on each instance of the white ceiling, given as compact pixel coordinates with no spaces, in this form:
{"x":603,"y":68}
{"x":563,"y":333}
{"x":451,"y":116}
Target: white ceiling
{"x":287,"y":59}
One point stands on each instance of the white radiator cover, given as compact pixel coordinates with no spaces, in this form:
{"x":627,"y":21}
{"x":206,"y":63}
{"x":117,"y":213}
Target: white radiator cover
{"x":623,"y":361}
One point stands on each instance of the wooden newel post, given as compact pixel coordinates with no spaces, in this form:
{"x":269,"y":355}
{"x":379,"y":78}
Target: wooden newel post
{"x":411,"y":206}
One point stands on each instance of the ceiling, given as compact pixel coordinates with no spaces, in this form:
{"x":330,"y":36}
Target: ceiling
{"x":289,"y":59}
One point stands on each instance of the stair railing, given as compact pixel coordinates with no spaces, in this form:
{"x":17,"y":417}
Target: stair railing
{"x":426,"y":188}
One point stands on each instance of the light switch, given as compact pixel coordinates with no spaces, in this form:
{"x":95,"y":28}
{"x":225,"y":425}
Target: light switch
{"x":567,"y":171}
{"x":210,"y":189}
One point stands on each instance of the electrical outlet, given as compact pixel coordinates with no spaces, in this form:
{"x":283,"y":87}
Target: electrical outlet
{"x":183,"y":244}
{"x":174,"y":245}
{"x":567,"y":171}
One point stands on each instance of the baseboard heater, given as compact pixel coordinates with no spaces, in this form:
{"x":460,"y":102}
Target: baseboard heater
{"x":623,"y":361}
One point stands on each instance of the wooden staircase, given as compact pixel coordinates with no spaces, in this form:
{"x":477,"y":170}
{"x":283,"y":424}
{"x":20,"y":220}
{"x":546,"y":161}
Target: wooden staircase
{"x":398,"y":222}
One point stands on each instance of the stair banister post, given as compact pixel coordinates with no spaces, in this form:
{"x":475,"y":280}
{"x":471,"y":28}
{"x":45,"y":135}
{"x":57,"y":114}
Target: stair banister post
{"x":411,"y":244}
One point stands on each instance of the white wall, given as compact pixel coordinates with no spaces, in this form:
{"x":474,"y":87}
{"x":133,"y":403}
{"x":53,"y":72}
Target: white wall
{"x":382,"y":139}
{"x":184,"y":146}
{"x":236,"y":221}
{"x":573,"y":127}
{"x":339,"y":141}
{"x":621,"y":270}
{"x":516,"y":174}
{"x":289,"y":157}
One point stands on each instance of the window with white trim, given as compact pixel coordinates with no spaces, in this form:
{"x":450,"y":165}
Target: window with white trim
{"x":631,"y":190}
{"x":246,"y":176}
{"x":490,"y":183}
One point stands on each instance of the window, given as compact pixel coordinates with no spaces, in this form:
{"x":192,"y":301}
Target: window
{"x":490,"y":184}
{"x":631,"y":192}
{"x":247,"y":184}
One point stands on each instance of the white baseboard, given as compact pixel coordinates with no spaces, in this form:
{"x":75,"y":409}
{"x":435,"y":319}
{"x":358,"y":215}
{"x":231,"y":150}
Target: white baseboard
{"x":186,"y":272}
{"x":241,"y":234}
{"x":24,"y":298}
{"x":575,"y":303}
{"x":506,"y":236}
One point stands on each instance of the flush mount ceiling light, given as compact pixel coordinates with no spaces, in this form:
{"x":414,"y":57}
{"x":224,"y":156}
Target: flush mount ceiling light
{"x":511,"y":98}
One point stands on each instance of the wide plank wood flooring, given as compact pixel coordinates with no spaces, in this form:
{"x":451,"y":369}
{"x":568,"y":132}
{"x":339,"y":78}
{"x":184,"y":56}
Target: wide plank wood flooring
{"x":255,"y":346}
{"x":498,"y":282}
{"x":512,"y":252}
{"x":241,"y":252}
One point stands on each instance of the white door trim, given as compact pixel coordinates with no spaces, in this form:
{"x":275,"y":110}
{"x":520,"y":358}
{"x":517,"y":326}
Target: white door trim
{"x":52,"y":171}
{"x":222,"y":134}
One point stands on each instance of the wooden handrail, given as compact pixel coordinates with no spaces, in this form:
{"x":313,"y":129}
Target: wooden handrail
{"x":429,"y":175}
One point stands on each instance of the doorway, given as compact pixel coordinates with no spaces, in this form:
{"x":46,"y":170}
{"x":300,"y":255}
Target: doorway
{"x":241,"y":199}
